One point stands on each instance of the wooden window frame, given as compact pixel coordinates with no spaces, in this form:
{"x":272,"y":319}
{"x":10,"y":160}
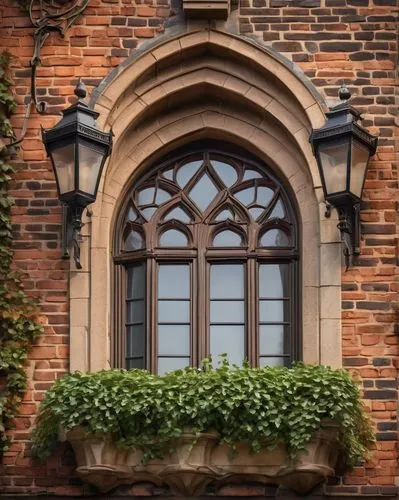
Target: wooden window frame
{"x":200,"y":253}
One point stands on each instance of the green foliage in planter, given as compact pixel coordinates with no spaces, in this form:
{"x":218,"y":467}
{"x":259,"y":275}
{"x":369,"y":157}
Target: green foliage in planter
{"x":18,"y":313}
{"x":264,"y":406}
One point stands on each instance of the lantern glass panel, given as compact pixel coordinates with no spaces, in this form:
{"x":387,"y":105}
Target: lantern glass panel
{"x":360,"y":156}
{"x":90,"y":161}
{"x":334,"y":162}
{"x":64,"y":166}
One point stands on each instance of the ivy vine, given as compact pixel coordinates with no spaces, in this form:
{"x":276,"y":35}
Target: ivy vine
{"x":19,"y":316}
{"x":263,"y":406}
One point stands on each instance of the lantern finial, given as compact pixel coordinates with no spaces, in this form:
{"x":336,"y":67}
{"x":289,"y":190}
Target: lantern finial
{"x":80,"y":90}
{"x":344,"y":93}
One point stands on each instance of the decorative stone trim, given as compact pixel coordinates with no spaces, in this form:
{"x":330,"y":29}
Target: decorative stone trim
{"x":205,"y":9}
{"x":191,"y":467}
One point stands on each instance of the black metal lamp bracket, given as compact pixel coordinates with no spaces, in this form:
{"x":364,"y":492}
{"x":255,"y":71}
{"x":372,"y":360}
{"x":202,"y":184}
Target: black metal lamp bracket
{"x":46,"y":16}
{"x":71,"y":229}
{"x":349,"y":226}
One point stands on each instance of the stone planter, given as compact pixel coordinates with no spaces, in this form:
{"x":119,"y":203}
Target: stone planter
{"x":191,"y":467}
{"x":186,"y":470}
{"x":310,"y":468}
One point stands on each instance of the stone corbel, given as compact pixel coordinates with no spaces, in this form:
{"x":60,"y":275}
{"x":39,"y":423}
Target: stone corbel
{"x":207,"y":9}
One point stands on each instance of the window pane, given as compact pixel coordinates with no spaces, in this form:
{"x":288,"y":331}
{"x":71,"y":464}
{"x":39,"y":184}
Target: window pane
{"x":246,"y":196}
{"x":227,"y":239}
{"x":135,"y":341}
{"x":173,"y":340}
{"x":227,"y":281}
{"x":334,"y":157}
{"x":223,"y":311}
{"x":136,"y":311}
{"x":174,"y":281}
{"x":187,"y":172}
{"x":227,"y":339}
{"x":173,"y":311}
{"x":177,"y":214}
{"x":251,"y":174}
{"x":136,"y":281}
{"x":278,"y":211}
{"x":271,"y":310}
{"x":203,"y":192}
{"x":270,"y":361}
{"x":146,"y":196}
{"x":173,"y":238}
{"x":226,"y":172}
{"x":271,"y":340}
{"x":273,"y":280}
{"x":131,"y":215}
{"x":274,"y":238}
{"x":161,"y":196}
{"x":148,"y":212}
{"x":166,"y":365}
{"x":256,"y":212}
{"x":135,"y":363}
{"x":264,"y":195}
{"x":223,"y":215}
{"x":134,"y":241}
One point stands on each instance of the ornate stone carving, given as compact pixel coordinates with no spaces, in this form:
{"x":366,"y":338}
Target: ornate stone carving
{"x":191,"y":467}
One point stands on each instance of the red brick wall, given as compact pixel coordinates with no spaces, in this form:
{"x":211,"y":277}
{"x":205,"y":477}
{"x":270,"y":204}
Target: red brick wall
{"x":332,"y":41}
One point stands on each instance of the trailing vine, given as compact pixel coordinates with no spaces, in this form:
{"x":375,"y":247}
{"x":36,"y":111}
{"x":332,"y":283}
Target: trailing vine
{"x":19,"y":316}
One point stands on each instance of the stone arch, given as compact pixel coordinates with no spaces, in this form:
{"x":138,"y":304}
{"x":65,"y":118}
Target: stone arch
{"x":210,"y":84}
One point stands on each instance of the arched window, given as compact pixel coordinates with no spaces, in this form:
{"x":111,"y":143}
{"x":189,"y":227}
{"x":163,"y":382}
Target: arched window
{"x":206,"y":254}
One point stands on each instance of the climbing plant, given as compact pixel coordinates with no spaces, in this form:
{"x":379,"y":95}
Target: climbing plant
{"x":19,"y":317}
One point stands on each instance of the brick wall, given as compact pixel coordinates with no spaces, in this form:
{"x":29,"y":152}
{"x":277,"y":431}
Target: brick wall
{"x":332,"y":41}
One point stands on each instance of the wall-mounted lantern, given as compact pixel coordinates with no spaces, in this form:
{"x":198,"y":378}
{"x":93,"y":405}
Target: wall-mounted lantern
{"x":78,"y":151}
{"x":342,"y":149}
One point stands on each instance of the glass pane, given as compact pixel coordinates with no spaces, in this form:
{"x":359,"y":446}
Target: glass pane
{"x":64,"y":163}
{"x":271,"y":310}
{"x":131,"y":215}
{"x":274,"y":238}
{"x":360,"y":156}
{"x":251,"y":174}
{"x":227,"y":239}
{"x":273,"y":280}
{"x":136,"y":311}
{"x":177,"y":214}
{"x":264,"y":195}
{"x":271,"y":361}
{"x":227,"y":281}
{"x":203,"y":192}
{"x":161,"y":196}
{"x":256,"y":212}
{"x":174,"y":281}
{"x":227,"y":339}
{"x":166,"y":365}
{"x":278,"y":211}
{"x":168,"y":174}
{"x":226,"y":172}
{"x":89,"y":168}
{"x":173,"y":238}
{"x":136,"y":282}
{"x":135,"y":363}
{"x":135,"y":340}
{"x":148,"y":212}
{"x":134,"y":241}
{"x":146,"y":196}
{"x":224,"y":214}
{"x":271,"y":340}
{"x":334,"y":158}
{"x":223,"y":311}
{"x":173,"y":311}
{"x":173,"y":340}
{"x":187,"y":172}
{"x":246,"y":196}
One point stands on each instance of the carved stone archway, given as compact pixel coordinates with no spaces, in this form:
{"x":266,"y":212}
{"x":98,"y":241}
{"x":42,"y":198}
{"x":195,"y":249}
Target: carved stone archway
{"x":209,"y":84}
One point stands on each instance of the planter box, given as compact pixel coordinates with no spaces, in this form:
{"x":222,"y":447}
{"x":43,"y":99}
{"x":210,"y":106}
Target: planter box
{"x":191,"y":467}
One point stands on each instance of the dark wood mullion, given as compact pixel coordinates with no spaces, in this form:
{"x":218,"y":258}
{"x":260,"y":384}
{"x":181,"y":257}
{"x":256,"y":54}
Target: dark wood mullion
{"x":252,"y":328}
{"x":151,"y":312}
